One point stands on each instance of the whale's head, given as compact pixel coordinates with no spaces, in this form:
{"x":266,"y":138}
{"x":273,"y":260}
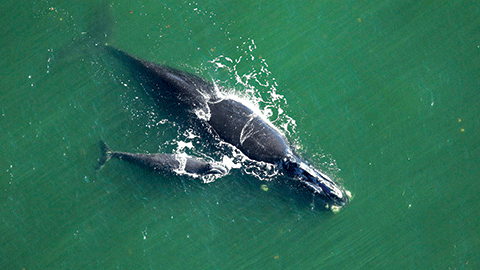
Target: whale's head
{"x":314,"y":179}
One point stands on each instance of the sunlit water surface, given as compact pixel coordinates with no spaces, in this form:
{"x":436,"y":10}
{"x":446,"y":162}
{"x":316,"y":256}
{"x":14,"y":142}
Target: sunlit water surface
{"x":382,"y":96}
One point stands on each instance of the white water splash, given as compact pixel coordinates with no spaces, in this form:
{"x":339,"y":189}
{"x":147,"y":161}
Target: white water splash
{"x":255,"y":85}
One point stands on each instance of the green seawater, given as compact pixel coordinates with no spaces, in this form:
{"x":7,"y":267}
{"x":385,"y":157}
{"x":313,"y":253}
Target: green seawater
{"x":381,"y":95}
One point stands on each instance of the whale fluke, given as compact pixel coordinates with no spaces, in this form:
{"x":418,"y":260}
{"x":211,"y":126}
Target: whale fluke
{"x":106,"y":155}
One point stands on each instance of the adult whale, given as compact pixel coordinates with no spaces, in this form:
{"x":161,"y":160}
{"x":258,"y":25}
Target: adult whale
{"x":231,"y":120}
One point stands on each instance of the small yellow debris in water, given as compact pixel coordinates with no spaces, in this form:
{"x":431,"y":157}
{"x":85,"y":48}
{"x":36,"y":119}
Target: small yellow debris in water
{"x":335,"y":209}
{"x":462,"y":130}
{"x":359,"y":20}
{"x":276,"y":257}
{"x":264,"y":187}
{"x":459,"y":120}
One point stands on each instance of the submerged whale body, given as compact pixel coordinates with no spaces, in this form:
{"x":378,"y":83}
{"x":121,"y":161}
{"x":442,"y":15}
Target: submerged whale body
{"x":231,"y":121}
{"x":163,"y":162}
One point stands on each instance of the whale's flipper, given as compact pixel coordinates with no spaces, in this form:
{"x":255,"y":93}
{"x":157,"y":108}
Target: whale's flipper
{"x":106,"y":155}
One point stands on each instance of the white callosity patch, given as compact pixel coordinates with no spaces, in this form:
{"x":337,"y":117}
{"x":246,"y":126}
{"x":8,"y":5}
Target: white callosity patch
{"x":183,"y":158}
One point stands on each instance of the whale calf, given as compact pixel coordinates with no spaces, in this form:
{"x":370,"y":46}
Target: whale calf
{"x":231,"y":121}
{"x":163,"y":162}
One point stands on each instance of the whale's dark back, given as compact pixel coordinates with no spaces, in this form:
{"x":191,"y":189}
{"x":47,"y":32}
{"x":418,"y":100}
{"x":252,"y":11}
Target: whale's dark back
{"x":165,"y":83}
{"x":240,"y":126}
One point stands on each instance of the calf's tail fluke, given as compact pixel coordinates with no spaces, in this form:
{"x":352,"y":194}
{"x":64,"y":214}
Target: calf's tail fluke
{"x":106,"y":155}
